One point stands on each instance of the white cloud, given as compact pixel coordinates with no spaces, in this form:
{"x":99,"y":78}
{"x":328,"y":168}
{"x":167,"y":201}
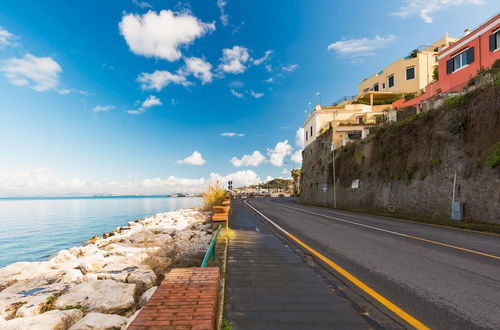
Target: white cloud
{"x":45,"y":182}
{"x":199,"y":68}
{"x":195,"y":159}
{"x":299,"y":137}
{"x":234,"y":59}
{"x":142,"y":4}
{"x":6,"y":38}
{"x":286,"y":172}
{"x":232,"y":134}
{"x":290,"y":68}
{"x":297,"y":156}
{"x":150,"y":101}
{"x":237,"y":94}
{"x":239,"y":178}
{"x":38,"y":73}
{"x":159,"y":79}
{"x":161,"y":34}
{"x":103,"y":108}
{"x":424,"y":8}
{"x":360,"y":47}
{"x":261,"y":60}
{"x":269,"y":80}
{"x":66,"y":91}
{"x":224,"y":18}
{"x":255,"y":159}
{"x":255,"y":94}
{"x":279,"y":152}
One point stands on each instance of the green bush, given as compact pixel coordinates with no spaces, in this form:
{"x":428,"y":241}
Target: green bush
{"x":494,"y":159}
{"x":436,"y":161}
{"x":456,"y":101}
{"x":457,"y":124}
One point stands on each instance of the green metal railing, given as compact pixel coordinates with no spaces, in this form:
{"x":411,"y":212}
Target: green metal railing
{"x":211,"y":249}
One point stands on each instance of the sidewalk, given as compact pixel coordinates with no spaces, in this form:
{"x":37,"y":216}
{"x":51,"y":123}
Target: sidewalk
{"x":270,"y":287}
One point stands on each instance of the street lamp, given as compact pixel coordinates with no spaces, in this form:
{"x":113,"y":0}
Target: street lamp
{"x":332,"y":148}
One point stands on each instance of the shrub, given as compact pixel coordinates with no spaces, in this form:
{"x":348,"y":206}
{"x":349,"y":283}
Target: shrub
{"x":456,"y":101}
{"x":214,"y":195}
{"x":494,"y":159}
{"x":436,"y":161}
{"x":457,"y":123}
{"x":410,"y":96}
{"x":435,"y":73}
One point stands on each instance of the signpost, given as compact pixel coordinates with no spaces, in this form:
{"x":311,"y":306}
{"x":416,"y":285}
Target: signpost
{"x":325,"y":187}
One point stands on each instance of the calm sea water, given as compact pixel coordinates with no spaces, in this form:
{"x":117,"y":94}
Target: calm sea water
{"x":33,"y":229}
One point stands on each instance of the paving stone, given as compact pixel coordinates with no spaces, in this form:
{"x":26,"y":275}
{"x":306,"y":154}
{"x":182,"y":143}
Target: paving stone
{"x":270,"y":287}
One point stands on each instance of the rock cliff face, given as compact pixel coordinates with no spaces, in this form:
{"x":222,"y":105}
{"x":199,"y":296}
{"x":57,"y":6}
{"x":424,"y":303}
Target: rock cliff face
{"x":410,"y":165}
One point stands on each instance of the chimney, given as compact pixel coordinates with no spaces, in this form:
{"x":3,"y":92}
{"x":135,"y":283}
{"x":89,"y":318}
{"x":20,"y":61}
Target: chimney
{"x":466,"y":32}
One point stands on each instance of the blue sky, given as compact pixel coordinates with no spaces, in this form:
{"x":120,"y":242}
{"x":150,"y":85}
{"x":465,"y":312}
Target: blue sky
{"x":124,"y":96}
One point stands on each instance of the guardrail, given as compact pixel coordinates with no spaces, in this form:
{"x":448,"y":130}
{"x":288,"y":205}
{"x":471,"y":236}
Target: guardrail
{"x":211,"y":248}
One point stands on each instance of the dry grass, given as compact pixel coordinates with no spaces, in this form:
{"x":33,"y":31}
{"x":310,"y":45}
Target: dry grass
{"x":214,"y":195}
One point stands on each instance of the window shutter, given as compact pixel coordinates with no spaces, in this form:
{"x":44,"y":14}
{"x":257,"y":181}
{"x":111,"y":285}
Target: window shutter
{"x":492,"y":42}
{"x":449,"y":66}
{"x":470,"y":55}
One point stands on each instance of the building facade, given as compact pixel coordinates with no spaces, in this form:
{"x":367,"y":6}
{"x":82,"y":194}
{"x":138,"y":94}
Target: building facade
{"x":408,"y":74}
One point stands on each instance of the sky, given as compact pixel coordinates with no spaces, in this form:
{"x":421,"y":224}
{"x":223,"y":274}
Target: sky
{"x":159,"y":96}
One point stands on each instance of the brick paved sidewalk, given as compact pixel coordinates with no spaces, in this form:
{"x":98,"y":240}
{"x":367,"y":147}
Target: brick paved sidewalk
{"x":270,"y":287}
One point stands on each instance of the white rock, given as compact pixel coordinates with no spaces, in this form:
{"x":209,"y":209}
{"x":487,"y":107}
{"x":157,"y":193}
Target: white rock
{"x":73,"y":276}
{"x":104,"y":296}
{"x":144,"y":279}
{"x":21,"y":271}
{"x":53,"y":320}
{"x":98,"y":321}
{"x":146,"y":296}
{"x":27,"y":298}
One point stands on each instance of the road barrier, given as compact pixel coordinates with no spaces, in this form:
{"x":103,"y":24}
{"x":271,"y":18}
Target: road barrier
{"x":211,"y":248}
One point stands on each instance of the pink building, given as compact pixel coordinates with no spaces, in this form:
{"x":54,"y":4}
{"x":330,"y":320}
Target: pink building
{"x":461,"y":61}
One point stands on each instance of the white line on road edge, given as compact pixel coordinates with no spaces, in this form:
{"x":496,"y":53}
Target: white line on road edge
{"x":389,"y":231}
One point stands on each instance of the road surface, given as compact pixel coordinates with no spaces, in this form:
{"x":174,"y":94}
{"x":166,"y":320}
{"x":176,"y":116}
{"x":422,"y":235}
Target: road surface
{"x":443,"y":277}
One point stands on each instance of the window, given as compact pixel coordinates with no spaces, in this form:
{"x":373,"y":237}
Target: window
{"x":410,"y":73}
{"x":460,"y":60}
{"x":311,"y":131}
{"x":390,"y":81}
{"x":495,"y":41}
{"x":383,"y":85}
{"x":361,"y":120}
{"x":375,"y":87}
{"x":306,"y":135}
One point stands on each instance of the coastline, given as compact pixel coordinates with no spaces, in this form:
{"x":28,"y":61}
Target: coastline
{"x":113,"y":274}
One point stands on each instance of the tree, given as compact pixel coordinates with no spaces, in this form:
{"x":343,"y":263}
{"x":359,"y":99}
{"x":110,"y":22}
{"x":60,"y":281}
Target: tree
{"x":296,"y":173}
{"x":435,"y":73}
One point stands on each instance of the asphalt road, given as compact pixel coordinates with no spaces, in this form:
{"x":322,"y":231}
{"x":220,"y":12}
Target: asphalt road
{"x":411,"y":264}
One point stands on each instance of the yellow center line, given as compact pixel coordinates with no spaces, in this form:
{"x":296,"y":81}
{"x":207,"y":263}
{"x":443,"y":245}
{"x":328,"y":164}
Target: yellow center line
{"x":353,"y":279}
{"x":392,"y":232}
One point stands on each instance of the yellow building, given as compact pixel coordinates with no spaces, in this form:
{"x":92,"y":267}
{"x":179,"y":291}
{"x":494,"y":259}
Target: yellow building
{"x":350,"y":121}
{"x":408,"y":74}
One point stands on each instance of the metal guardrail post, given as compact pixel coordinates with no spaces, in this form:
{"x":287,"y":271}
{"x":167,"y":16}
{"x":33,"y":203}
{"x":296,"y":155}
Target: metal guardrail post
{"x":211,"y":248}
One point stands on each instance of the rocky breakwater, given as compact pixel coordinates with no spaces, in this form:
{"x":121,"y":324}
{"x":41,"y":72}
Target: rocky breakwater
{"x":103,"y":284}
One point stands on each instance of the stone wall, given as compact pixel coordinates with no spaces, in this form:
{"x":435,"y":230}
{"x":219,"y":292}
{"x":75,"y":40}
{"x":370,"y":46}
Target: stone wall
{"x":411,"y":165}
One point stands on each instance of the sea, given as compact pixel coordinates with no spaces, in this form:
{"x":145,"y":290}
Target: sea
{"x":33,"y":229}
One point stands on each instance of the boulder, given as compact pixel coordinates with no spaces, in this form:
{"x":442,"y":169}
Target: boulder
{"x":73,"y":276}
{"x":144,"y":279}
{"x":27,"y":298}
{"x":98,"y":321}
{"x":105,"y":296}
{"x":21,"y":271}
{"x":146,"y":296}
{"x":53,"y":320}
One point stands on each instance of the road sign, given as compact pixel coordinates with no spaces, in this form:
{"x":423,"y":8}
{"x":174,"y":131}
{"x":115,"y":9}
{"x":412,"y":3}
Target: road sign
{"x":325,"y":187}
